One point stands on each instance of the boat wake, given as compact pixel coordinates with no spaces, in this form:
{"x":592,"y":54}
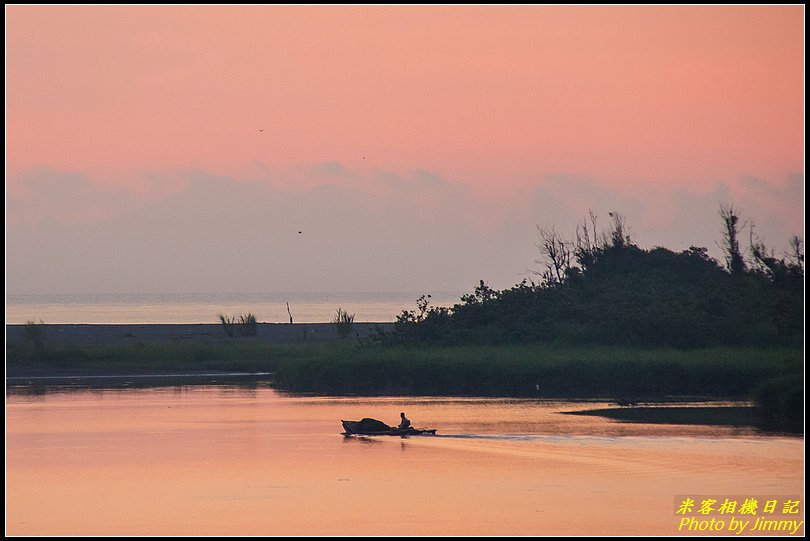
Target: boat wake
{"x":546,"y":438}
{"x":507,"y":437}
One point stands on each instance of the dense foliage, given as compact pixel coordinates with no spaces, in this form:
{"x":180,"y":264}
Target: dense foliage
{"x":613,"y":292}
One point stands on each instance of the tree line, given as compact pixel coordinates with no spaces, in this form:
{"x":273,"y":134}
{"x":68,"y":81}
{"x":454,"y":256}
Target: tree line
{"x":600,"y":287}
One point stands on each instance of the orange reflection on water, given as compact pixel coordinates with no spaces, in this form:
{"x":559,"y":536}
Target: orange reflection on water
{"x":219,"y":461}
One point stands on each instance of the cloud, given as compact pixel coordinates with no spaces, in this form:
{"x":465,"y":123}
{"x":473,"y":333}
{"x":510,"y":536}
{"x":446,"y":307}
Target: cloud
{"x":64,"y":198}
{"x":371,"y":230}
{"x":217,"y":233}
{"x":563,"y":200}
{"x":675,"y":218}
{"x":330,"y":168}
{"x":779,"y":206}
{"x":417,"y":179}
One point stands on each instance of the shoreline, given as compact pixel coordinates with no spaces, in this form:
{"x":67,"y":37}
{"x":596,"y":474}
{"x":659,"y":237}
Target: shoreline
{"x":25,"y":382}
{"x":671,"y":410}
{"x":313,"y":358}
{"x":110,"y":333}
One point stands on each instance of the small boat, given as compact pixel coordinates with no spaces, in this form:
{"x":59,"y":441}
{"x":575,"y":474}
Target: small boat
{"x":373,"y":427}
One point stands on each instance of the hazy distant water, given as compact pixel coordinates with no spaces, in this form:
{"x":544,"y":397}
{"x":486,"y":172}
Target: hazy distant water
{"x":203,"y":308}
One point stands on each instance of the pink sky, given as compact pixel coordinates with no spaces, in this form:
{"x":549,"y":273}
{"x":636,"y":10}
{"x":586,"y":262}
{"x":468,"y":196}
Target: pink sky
{"x":491,"y":103}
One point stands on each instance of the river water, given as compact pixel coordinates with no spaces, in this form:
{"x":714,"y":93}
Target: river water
{"x":227,"y":460}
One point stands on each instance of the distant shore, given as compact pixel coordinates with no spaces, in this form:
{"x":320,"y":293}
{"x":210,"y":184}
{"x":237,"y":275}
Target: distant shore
{"x":177,"y":337}
{"x":313,"y":358}
{"x":282,"y":333}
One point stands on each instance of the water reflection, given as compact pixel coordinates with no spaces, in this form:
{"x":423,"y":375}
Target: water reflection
{"x":38,"y":386}
{"x":365,"y":440}
{"x":225,"y":460}
{"x":520,"y":415}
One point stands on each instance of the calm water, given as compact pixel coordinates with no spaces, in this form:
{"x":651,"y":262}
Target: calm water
{"x":213,"y":460}
{"x":203,"y":308}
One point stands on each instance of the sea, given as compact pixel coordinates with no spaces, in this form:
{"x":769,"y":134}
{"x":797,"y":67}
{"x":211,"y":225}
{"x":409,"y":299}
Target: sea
{"x":152,"y":308}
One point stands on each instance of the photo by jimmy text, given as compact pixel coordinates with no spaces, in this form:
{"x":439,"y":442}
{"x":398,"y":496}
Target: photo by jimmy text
{"x":737,"y":515}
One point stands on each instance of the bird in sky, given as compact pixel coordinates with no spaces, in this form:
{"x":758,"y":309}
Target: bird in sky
{"x":261,"y":130}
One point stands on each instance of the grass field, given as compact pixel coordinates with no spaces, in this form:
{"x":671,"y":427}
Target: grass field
{"x":774,"y":378}
{"x":349,"y":367}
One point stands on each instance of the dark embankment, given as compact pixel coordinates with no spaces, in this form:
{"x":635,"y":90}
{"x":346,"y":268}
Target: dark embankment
{"x":773,"y":378}
{"x":700,"y":415}
{"x":754,"y":415}
{"x":539,"y":370}
{"x":360,"y":367}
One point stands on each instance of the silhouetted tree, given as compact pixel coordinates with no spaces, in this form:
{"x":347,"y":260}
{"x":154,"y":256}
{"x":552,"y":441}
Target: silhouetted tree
{"x":797,"y":255}
{"x":587,"y":240}
{"x":601,"y":288}
{"x":557,"y":253}
{"x":731,"y":246}
{"x":617,"y":237}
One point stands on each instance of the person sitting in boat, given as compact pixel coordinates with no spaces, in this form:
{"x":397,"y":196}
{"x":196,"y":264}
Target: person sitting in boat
{"x":405,"y":423}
